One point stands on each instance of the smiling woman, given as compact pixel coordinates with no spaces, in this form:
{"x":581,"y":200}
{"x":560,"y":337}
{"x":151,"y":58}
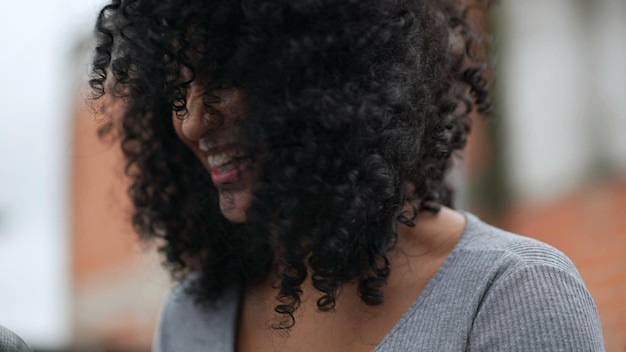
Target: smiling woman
{"x":291,"y":156}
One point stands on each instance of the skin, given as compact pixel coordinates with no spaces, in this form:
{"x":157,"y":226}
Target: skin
{"x":352,"y":326}
{"x":211,"y":134}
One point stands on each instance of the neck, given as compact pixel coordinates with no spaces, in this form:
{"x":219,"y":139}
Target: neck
{"x":423,"y":246}
{"x":433,"y":232}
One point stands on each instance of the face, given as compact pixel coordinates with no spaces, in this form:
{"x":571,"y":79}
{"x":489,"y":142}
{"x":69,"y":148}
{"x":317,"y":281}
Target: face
{"x":213,"y":136}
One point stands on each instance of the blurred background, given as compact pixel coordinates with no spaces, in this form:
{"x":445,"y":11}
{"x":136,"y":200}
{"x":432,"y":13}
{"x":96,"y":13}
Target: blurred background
{"x":550,"y":163}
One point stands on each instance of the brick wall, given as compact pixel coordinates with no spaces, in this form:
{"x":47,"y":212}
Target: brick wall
{"x":117,"y":285}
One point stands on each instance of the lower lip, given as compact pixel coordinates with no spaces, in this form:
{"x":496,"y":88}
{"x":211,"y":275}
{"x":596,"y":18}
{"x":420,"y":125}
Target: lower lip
{"x":231,"y":176}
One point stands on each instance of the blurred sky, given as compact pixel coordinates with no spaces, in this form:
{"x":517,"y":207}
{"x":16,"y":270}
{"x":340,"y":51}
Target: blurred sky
{"x":37,"y":85}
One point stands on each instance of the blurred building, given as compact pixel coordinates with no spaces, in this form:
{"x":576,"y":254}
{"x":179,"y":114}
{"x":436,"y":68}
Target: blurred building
{"x":118,"y":285}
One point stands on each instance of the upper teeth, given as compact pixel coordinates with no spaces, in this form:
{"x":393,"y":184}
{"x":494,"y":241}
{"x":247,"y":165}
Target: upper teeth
{"x":222,"y":159}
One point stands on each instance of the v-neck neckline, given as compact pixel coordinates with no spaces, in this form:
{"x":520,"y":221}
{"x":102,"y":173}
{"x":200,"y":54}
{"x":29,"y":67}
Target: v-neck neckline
{"x":414,"y":307}
{"x":432,"y":283}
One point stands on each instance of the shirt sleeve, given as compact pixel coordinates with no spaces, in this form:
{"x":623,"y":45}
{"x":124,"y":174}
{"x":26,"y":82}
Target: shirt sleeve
{"x":537,"y":308}
{"x":179,"y":324}
{"x":186,"y":325}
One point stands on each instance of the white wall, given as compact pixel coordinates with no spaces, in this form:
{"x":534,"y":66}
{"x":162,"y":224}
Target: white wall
{"x":607,"y":45}
{"x":36,"y":93}
{"x":562,"y":68}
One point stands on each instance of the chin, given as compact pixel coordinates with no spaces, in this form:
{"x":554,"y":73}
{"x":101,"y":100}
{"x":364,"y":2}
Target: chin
{"x":235,"y":217}
{"x":234,"y":204}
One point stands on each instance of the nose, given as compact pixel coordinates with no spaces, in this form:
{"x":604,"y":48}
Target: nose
{"x":199,"y":122}
{"x":194,"y":126}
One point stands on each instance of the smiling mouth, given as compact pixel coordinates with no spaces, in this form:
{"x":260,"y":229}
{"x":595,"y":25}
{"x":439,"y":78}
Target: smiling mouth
{"x":227,"y":168}
{"x":227,"y":161}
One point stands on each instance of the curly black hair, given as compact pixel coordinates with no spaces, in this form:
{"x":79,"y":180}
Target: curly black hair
{"x":351,"y":101}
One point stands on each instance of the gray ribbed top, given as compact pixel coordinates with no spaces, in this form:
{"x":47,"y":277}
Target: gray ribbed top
{"x":496,"y":291}
{"x":10,"y":342}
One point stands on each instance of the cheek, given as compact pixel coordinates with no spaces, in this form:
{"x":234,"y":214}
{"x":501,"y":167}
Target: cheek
{"x":178,"y":126}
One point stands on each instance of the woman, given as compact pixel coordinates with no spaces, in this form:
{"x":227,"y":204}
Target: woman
{"x":289,"y":156}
